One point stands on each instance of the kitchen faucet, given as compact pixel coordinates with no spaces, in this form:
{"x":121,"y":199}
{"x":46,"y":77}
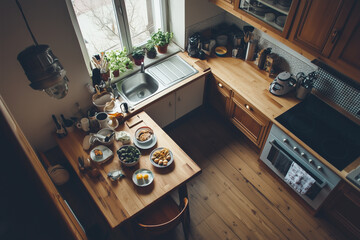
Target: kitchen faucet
{"x":142,"y":67}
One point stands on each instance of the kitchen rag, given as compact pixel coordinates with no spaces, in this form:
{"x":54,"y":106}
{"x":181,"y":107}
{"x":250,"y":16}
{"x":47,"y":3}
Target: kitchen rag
{"x":298,"y":179}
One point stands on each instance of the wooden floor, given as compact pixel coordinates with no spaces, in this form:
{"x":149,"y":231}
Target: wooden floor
{"x":235,"y":197}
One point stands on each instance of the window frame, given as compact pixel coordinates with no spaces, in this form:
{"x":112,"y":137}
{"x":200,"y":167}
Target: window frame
{"x":122,"y":24}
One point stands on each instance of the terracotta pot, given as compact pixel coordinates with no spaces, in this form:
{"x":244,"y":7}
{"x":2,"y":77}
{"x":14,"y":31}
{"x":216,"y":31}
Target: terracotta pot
{"x":162,"y":49}
{"x":151,"y":54}
{"x":138,"y":61}
{"x":116,"y":73}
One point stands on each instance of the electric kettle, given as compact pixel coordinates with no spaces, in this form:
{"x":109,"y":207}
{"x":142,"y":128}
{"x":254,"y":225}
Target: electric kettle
{"x":282,"y":84}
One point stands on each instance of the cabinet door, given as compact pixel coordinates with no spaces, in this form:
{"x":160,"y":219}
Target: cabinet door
{"x":319,"y":23}
{"x":346,"y":54}
{"x":249,"y":120}
{"x":163,"y":111}
{"x":219,"y":95}
{"x":189,"y":97}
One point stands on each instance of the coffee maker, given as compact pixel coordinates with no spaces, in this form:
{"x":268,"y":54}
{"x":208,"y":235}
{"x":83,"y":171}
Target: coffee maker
{"x":194,"y":45}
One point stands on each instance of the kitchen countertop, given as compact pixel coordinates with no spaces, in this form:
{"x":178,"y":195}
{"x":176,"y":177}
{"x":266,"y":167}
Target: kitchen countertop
{"x":253,"y":84}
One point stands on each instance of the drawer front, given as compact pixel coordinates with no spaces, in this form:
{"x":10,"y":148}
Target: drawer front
{"x":249,"y":120}
{"x":221,"y":86}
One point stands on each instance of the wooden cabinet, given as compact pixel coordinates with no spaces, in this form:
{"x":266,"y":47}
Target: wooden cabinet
{"x":344,"y":210}
{"x":224,"y":3}
{"x":219,"y":95}
{"x":254,"y":14}
{"x":248,"y":119}
{"x":178,"y":103}
{"x":319,"y":23}
{"x":346,"y":54}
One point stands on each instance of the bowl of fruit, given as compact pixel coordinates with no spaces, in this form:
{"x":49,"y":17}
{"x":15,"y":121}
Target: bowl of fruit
{"x":128,"y":155}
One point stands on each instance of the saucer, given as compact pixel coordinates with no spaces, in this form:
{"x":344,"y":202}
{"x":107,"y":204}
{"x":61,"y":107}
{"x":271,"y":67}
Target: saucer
{"x":147,"y":145}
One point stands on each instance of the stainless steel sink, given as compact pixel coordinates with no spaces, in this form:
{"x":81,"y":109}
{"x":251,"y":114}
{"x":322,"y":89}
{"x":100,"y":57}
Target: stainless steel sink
{"x":138,"y":87}
{"x":142,"y":85}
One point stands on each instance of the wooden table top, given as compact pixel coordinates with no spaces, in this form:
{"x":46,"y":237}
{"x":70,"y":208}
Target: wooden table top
{"x":122,"y":200}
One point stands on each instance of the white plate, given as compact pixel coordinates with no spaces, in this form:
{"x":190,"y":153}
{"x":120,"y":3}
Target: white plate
{"x":107,"y":154}
{"x":142,"y":182}
{"x":145,"y":145}
{"x":161,"y":166}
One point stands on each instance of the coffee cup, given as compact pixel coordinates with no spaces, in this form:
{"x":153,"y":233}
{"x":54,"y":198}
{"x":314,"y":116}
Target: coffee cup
{"x":102,"y":118}
{"x":84,"y":124}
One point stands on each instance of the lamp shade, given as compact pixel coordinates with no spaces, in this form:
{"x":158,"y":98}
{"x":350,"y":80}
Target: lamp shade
{"x":44,"y":70}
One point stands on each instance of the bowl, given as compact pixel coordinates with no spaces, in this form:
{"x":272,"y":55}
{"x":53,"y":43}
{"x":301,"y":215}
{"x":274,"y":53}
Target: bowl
{"x":128,"y":155}
{"x":144,"y":135}
{"x":106,"y":132}
{"x":221,"y":51}
{"x":269,"y":17}
{"x":100,"y":100}
{"x":153,"y":157}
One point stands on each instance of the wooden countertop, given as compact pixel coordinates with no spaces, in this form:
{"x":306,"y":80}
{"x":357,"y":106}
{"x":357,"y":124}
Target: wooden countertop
{"x":122,"y":200}
{"x":252,"y":84}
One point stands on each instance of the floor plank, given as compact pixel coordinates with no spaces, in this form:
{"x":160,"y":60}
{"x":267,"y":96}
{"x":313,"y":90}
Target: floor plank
{"x":244,"y":196}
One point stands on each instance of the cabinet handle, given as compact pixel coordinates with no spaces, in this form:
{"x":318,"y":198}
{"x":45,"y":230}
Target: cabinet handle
{"x":248,"y":107}
{"x":334,"y":36}
{"x":220,"y":85}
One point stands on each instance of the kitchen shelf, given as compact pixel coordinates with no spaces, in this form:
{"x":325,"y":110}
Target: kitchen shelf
{"x":273,"y":24}
{"x":276,"y":7}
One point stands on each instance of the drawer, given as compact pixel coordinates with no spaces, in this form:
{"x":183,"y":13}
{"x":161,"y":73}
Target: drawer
{"x":222,"y":87}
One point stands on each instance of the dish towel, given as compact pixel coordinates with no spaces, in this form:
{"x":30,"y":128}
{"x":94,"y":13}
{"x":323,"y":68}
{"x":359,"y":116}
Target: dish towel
{"x":298,"y":179}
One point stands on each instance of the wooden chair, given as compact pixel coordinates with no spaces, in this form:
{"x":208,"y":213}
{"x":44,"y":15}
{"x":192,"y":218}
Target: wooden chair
{"x":164,"y":216}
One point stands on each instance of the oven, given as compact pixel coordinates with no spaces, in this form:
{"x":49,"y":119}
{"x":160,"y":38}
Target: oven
{"x":281,"y":152}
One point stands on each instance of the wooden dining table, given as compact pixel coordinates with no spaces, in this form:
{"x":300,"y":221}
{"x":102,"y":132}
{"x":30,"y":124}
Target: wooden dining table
{"x":122,"y":200}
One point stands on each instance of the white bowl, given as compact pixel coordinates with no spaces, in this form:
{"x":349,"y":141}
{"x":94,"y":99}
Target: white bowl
{"x":137,"y":132}
{"x":105,"y":132}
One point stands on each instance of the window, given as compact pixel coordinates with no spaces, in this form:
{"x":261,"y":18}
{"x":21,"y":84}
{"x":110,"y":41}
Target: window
{"x":113,"y":24}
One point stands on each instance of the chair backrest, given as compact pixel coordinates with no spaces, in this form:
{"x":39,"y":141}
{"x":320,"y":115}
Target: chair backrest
{"x":166,"y":226}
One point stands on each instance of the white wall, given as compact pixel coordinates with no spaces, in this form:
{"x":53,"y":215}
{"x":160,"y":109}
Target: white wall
{"x":50,"y":23}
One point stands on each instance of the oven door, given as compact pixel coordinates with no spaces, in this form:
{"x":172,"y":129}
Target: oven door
{"x":278,"y":157}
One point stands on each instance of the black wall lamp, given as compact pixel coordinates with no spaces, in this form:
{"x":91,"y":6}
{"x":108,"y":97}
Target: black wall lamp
{"x":42,"y":67}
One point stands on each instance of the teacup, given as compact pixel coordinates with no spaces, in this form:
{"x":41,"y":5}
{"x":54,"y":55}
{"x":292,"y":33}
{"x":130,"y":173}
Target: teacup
{"x":102,"y":118}
{"x":84,"y":124}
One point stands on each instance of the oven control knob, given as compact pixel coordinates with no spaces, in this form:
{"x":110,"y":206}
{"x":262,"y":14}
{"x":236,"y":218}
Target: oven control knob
{"x":295,"y":148}
{"x":285,"y":140}
{"x":311,"y":161}
{"x":302,"y":154}
{"x":319,"y":168}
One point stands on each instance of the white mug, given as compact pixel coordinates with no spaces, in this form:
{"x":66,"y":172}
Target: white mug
{"x":84,"y":124}
{"x":102,"y":118}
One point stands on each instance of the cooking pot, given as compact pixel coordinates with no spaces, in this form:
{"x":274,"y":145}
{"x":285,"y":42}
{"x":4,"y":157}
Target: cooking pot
{"x":282,"y":84}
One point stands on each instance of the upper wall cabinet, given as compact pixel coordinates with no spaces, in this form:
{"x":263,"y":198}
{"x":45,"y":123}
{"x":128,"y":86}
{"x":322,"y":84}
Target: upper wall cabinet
{"x":346,"y":54}
{"x":275,"y":15}
{"x":319,"y":23}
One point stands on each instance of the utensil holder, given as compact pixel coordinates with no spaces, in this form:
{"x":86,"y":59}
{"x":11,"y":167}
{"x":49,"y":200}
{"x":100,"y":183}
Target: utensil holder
{"x":301,"y":92}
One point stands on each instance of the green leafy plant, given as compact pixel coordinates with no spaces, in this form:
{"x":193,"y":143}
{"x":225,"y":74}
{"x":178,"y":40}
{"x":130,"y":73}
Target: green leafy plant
{"x":161,"y":38}
{"x":118,"y":60}
{"x":150,"y":46}
{"x":138,"y":53}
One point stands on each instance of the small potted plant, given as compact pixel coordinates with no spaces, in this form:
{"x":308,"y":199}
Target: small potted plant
{"x":161,"y":40}
{"x":150,"y":49}
{"x":138,"y":55}
{"x":118,"y":61}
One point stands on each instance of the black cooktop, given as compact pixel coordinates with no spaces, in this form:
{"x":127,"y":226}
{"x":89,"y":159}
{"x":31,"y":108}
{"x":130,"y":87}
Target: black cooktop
{"x":325,"y":130}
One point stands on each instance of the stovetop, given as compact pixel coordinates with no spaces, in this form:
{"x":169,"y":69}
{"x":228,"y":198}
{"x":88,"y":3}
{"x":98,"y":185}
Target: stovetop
{"x":325,"y":130}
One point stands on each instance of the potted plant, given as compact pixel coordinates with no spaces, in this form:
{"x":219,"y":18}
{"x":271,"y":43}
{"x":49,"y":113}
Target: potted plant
{"x":138,"y":55}
{"x":118,"y":61}
{"x":150,"y":49}
{"x":161,"y":40}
